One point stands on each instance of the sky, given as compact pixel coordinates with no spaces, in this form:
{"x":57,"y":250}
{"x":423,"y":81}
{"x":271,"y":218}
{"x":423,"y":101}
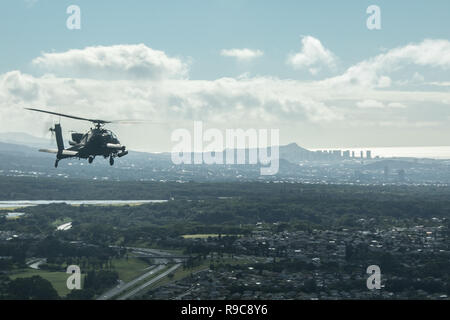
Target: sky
{"x":312,"y":69}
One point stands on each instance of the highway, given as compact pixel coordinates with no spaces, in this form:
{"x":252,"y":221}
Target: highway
{"x":161,"y":258}
{"x":150,"y":282}
{"x":122,"y":287}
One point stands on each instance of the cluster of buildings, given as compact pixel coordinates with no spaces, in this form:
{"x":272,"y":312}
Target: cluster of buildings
{"x":323,"y":255}
{"x":344,"y":154}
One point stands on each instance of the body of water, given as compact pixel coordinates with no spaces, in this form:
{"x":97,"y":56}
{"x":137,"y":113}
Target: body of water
{"x":29,"y":203}
{"x":408,"y":152}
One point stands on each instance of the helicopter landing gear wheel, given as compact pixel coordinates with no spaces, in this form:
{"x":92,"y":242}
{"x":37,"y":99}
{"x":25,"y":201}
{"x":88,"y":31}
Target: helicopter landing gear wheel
{"x":111,"y":161}
{"x":56,"y":163}
{"x":90,"y":159}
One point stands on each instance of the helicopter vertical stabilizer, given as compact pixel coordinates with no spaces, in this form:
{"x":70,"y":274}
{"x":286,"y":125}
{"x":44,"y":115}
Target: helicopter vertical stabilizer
{"x":59,"y":137}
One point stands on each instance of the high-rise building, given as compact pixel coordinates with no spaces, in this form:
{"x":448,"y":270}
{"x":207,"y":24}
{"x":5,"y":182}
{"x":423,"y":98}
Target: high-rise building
{"x":369,"y":154}
{"x":337,"y":153}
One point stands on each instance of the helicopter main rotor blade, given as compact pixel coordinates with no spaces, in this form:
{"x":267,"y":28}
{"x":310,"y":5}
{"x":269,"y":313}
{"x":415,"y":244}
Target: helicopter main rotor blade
{"x":69,"y":116}
{"x":135,"y":121}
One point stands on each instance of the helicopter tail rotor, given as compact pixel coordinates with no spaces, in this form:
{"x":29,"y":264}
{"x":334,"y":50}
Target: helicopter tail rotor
{"x":48,"y":128}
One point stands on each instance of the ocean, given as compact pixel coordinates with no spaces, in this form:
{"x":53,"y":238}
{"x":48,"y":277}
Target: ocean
{"x":390,"y":152}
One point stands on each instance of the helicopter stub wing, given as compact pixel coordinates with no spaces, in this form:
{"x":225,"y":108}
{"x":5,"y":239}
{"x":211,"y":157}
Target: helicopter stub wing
{"x":68,"y":153}
{"x":115,"y":146}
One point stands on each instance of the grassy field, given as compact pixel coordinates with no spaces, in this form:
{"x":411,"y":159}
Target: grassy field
{"x":62,"y":221}
{"x":128,"y":270}
{"x":10,"y":208}
{"x":57,"y":279}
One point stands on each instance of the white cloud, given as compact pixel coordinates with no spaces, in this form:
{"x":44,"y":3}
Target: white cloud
{"x":242,"y":54}
{"x":440,"y":84}
{"x":396,"y":105}
{"x":312,"y":56}
{"x":239,"y":102}
{"x":225,"y":101}
{"x":372,"y":72}
{"x":404,"y":123}
{"x":370,"y":104}
{"x":418,"y":78}
{"x":384,"y":82}
{"x":374,"y":104}
{"x":19,"y":86}
{"x":116,"y":62}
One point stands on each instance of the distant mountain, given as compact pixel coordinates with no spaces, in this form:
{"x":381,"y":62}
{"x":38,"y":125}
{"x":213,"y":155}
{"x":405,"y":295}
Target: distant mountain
{"x":294,"y":153}
{"x":25,"y":160}
{"x":16,"y":149}
{"x":21,"y":138}
{"x":291,"y":152}
{"x":19,"y":159}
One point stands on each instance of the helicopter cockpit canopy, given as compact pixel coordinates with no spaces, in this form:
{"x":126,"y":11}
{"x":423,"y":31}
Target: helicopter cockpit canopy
{"x":76,"y":137}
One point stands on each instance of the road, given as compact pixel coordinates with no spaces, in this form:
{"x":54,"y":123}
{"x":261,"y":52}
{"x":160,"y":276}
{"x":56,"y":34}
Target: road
{"x":150,"y":282}
{"x":160,"y":257}
{"x":122,"y":287}
{"x":155,"y":252}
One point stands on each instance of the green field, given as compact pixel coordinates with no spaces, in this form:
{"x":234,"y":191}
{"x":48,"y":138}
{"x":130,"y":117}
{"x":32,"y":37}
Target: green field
{"x":57,"y":279}
{"x":10,"y":208}
{"x":128,"y":270}
{"x":62,"y":221}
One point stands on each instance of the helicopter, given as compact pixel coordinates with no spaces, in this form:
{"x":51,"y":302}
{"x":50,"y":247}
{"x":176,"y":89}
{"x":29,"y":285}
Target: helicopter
{"x":98,"y":141}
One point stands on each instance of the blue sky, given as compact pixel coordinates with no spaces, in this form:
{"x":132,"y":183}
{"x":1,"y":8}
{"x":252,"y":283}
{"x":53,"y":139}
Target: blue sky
{"x":319,"y":73}
{"x":199,"y":29}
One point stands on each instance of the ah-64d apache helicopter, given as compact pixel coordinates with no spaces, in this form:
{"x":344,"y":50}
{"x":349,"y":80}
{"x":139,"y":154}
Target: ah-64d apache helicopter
{"x":96,"y":142}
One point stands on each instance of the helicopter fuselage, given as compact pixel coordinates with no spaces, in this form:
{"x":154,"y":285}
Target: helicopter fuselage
{"x":96,"y":142}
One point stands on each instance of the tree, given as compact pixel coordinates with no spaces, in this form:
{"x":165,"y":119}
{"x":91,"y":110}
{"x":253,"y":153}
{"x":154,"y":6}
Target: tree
{"x":310,"y":286}
{"x":84,"y":294}
{"x":99,"y":281}
{"x":34,"y":288}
